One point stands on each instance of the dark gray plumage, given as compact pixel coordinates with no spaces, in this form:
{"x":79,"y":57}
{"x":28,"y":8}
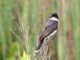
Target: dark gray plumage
{"x":49,"y":28}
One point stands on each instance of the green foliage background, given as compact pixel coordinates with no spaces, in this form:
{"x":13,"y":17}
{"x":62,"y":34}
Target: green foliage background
{"x":34,"y":14}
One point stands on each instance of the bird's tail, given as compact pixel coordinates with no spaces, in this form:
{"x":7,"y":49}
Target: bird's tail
{"x":39,"y":46}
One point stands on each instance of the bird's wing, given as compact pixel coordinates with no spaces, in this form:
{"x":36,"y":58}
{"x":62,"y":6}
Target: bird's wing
{"x":49,"y":28}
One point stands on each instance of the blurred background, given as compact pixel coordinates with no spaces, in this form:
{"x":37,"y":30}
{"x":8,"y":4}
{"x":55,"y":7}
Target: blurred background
{"x":21,"y":22}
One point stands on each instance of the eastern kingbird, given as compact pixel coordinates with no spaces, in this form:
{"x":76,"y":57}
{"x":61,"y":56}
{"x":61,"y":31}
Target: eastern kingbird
{"x":50,"y":29}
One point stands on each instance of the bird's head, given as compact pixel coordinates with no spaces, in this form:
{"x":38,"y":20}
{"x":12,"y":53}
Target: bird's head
{"x":54,"y":16}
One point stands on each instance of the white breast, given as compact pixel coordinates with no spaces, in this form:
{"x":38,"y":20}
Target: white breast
{"x":54,"y":19}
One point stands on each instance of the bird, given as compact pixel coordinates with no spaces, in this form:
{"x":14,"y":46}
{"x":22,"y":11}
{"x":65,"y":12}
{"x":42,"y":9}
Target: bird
{"x":50,"y":28}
